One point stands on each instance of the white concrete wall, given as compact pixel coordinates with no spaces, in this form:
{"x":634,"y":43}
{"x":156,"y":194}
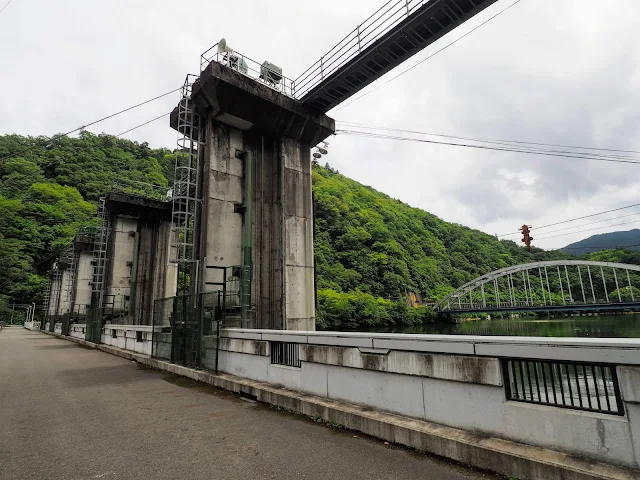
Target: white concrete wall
{"x":120,"y":258}
{"x":126,"y":337}
{"x":54,"y":293}
{"x":84,"y":277}
{"x":451,"y":380}
{"x":77,"y":330}
{"x":65,"y":292}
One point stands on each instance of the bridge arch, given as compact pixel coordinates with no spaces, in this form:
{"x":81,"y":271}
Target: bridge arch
{"x":552,"y":285}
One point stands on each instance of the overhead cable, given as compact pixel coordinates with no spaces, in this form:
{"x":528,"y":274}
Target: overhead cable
{"x":143,"y":124}
{"x":587,"y":230}
{"x":5,"y":6}
{"x":559,"y":154}
{"x":485,"y":140}
{"x":82,"y":127}
{"x":577,"y":218}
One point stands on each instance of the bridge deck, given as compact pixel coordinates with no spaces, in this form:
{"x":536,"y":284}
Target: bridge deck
{"x":420,"y":29}
{"x":575,"y":307}
{"x":75,"y":413}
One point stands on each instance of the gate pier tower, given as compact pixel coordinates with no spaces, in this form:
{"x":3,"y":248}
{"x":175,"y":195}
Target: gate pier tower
{"x":242,"y":198}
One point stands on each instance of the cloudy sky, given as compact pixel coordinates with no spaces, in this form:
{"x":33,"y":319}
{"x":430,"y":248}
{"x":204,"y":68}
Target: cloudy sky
{"x":552,"y":71}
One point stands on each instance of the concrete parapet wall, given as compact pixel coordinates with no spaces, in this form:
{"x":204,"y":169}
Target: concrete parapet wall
{"x":77,"y":330}
{"x":136,"y":338}
{"x":450,"y":380}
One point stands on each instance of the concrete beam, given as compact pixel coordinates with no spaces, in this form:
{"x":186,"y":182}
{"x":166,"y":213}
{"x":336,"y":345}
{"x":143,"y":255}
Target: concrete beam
{"x":237,"y":100}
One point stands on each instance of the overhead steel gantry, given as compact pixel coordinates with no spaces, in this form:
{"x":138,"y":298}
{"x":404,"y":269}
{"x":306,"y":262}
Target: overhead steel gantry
{"x":397,"y":31}
{"x":559,"y":285}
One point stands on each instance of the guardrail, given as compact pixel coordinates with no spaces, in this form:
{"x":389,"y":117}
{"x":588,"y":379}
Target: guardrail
{"x":263,"y":73}
{"x":575,"y":385}
{"x":363,"y":36}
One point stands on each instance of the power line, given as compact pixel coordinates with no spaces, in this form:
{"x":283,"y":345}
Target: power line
{"x":593,"y":223}
{"x":588,"y":230}
{"x":143,"y":124}
{"x":577,"y":218}
{"x":5,"y":6}
{"x":429,"y":57}
{"x":82,"y":127}
{"x":603,"y":247}
{"x":486,"y":147}
{"x":486,"y":140}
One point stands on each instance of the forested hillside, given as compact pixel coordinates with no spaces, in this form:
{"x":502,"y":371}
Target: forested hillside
{"x":629,"y":240}
{"x":373,"y":253}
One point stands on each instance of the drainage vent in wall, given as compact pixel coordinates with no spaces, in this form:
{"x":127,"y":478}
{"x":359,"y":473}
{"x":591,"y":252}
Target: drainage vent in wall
{"x":285,"y":353}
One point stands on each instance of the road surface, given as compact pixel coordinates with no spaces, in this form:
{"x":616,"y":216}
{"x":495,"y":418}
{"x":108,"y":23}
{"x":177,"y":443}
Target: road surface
{"x":69,"y":412}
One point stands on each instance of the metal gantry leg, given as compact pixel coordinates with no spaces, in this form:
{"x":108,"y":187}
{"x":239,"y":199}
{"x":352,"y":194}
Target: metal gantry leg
{"x":561,"y":288}
{"x":530,"y":291}
{"x":546,"y":274}
{"x":615,"y":276}
{"x":630,"y":287}
{"x":584,"y":298}
{"x":593,"y":292}
{"x":526,"y":294}
{"x":544,"y":297}
{"x":511,"y":292}
{"x":566,"y":272}
{"x":604,"y":282}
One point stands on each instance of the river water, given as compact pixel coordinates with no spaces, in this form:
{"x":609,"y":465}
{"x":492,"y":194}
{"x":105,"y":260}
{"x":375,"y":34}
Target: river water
{"x":596,"y":326}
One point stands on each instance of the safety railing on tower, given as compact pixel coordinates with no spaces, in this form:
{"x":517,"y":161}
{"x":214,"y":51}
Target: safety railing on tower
{"x":363,"y":36}
{"x":265,"y":72}
{"x":141,"y":189}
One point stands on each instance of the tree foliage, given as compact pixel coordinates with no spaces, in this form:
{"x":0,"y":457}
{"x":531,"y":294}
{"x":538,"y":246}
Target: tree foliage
{"x":372,"y":252}
{"x":49,"y":188}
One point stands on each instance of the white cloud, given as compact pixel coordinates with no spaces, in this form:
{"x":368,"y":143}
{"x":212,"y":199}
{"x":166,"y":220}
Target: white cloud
{"x":559,"y":72}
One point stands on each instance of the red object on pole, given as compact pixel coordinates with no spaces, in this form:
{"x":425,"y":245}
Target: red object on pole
{"x":526,"y":235}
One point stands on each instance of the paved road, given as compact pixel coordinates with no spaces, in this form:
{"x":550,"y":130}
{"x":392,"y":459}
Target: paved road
{"x":68,"y":412}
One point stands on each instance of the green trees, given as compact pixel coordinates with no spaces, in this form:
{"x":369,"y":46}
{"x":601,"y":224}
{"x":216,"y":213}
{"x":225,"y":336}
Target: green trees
{"x":48,"y":189}
{"x":372,"y":252}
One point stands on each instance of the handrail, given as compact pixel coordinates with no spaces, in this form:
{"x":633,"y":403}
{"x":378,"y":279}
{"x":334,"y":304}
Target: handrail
{"x":249,"y":67}
{"x":364,"y":35}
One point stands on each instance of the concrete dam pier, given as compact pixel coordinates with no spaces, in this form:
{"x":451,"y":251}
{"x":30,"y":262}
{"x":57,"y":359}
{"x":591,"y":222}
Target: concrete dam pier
{"x":254,"y":181}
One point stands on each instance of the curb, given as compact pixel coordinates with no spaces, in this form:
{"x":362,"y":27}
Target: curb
{"x":508,"y":458}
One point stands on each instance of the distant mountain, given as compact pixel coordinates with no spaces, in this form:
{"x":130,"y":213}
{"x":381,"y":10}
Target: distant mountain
{"x":630,"y":240}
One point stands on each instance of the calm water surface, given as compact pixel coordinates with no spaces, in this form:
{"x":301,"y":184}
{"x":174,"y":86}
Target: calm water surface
{"x":601,"y":326}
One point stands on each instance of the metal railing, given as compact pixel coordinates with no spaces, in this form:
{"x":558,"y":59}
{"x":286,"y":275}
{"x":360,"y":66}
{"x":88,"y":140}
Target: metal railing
{"x":363,"y":36}
{"x":285,"y":353}
{"x":580,"y":386}
{"x":252,"y":69}
{"x":141,"y":189}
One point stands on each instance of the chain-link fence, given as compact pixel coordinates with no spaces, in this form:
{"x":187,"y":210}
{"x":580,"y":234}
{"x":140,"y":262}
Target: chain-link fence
{"x":186,"y":329}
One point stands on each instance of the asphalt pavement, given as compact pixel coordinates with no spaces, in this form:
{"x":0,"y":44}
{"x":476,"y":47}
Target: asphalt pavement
{"x":70,"y":412}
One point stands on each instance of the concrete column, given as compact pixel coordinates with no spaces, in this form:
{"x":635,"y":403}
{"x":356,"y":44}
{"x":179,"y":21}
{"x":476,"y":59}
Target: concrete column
{"x":299,"y":304}
{"x":121,"y":245}
{"x":221,"y":229}
{"x":64,"y":305}
{"x":54,"y":296}
{"x":84,"y":276}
